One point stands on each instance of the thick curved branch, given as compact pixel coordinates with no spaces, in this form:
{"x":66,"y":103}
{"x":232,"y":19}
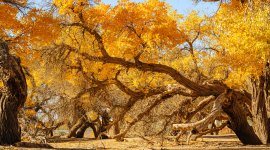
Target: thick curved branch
{"x":200,"y":90}
{"x":196,"y":88}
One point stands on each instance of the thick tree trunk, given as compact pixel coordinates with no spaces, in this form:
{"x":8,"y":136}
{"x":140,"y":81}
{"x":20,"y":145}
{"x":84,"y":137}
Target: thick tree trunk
{"x":9,"y":127}
{"x":239,"y":124}
{"x":258,"y":133}
{"x":259,"y":113}
{"x":12,"y":95}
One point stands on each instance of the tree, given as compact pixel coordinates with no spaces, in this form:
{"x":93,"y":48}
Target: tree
{"x":18,"y":33}
{"x":13,"y":95}
{"x":13,"y":82}
{"x":116,"y":44}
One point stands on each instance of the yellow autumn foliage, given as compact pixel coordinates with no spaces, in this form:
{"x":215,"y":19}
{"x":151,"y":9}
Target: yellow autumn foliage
{"x":243,"y":41}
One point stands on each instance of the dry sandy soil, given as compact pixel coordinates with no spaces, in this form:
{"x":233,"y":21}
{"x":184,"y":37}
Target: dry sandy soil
{"x":207,"y":142}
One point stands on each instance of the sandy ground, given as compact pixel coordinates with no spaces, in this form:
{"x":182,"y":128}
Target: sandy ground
{"x":207,"y":142}
{"x":220,"y":142}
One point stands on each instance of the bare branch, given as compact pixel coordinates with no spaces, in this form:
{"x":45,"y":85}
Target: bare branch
{"x":200,"y":106}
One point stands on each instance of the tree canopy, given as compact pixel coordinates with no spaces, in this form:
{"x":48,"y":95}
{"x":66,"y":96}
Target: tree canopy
{"x":136,"y":59}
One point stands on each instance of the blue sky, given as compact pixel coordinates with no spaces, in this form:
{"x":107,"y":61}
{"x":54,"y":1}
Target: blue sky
{"x":183,"y":6}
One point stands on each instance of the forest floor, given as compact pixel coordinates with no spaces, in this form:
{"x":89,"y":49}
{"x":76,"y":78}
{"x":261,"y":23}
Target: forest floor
{"x":209,"y":142}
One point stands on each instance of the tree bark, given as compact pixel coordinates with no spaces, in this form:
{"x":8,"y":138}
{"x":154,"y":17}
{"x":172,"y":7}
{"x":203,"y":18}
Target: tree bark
{"x":238,"y":123}
{"x":94,"y":129}
{"x":75,"y":128}
{"x":116,"y":128}
{"x":259,"y":113}
{"x":9,"y":127}
{"x":258,"y":133}
{"x":13,"y":94}
{"x":82,"y":129}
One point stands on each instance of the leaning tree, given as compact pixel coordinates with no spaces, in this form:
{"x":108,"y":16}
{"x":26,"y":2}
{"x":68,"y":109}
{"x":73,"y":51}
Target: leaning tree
{"x":115,"y":43}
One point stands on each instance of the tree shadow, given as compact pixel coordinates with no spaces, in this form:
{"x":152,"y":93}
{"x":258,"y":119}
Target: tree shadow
{"x":62,"y":140}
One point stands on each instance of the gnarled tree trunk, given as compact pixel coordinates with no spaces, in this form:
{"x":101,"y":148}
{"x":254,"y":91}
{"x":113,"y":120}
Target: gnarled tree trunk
{"x":258,"y":132}
{"x":13,"y":94}
{"x":239,"y":124}
{"x":259,"y":113}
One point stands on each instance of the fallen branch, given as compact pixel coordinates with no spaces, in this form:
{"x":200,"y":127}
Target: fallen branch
{"x":216,"y":111}
{"x":223,"y":125}
{"x":201,"y":124}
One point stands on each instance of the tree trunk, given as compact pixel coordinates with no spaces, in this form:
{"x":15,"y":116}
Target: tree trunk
{"x":9,"y":127}
{"x":116,"y":128}
{"x":82,"y":129}
{"x":74,"y":129}
{"x":13,"y":92}
{"x":259,"y":113}
{"x":258,"y":133}
{"x":92,"y":125}
{"x":239,"y":124}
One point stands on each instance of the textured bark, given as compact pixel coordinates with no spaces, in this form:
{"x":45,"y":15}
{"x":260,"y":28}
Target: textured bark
{"x":102,"y":129}
{"x":92,"y":125}
{"x":9,"y":127}
{"x":12,"y":95}
{"x":75,"y":128}
{"x":259,"y":113}
{"x":238,"y":122}
{"x":116,"y":128}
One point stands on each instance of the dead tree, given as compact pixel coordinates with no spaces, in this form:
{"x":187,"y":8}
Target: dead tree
{"x":13,"y":94}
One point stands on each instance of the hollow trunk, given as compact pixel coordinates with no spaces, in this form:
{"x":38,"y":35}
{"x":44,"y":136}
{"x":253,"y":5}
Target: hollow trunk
{"x":13,"y":92}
